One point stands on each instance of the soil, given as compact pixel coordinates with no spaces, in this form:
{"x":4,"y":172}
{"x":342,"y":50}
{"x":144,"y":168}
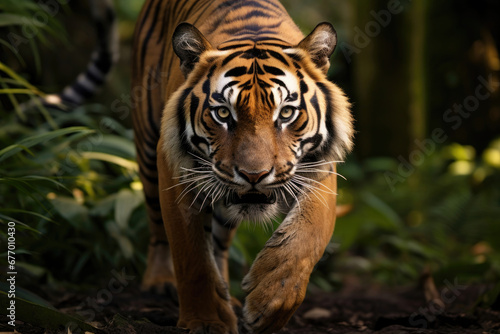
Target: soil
{"x":402,"y":310}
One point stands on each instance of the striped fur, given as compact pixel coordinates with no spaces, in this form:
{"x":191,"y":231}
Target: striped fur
{"x":235,"y":120}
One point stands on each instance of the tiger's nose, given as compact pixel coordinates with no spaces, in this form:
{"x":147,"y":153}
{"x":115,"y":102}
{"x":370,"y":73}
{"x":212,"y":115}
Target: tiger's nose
{"x":253,"y":177}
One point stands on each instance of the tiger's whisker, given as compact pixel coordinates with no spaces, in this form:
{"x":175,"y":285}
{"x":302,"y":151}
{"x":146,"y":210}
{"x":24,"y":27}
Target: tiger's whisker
{"x":190,"y":180}
{"x":188,"y":190}
{"x":313,"y":190}
{"x":318,"y":163}
{"x":307,"y":179}
{"x":320,"y":171}
{"x":209,"y":184}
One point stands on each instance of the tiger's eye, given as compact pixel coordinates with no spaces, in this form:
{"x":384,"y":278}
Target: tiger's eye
{"x":223,"y":113}
{"x":286,"y":113}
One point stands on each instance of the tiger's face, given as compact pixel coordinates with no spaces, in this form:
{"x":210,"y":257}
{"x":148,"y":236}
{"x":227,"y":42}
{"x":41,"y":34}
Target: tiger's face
{"x":261,"y":122}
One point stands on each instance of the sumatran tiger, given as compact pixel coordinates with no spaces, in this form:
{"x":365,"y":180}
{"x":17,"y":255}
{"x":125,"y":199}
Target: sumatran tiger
{"x":234,"y":121}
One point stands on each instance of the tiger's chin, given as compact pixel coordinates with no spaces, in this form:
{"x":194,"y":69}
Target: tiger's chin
{"x":252,"y":207}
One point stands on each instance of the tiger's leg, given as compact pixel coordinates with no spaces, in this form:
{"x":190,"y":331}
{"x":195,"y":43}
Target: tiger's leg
{"x":159,"y":275}
{"x":277,"y":281}
{"x":223,"y":232}
{"x":204,"y":305}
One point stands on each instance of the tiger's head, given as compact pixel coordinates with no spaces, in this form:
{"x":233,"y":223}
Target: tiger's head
{"x":255,"y":123}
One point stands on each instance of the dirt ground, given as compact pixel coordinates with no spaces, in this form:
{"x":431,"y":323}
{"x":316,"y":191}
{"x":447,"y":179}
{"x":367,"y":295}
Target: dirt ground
{"x":402,"y":310}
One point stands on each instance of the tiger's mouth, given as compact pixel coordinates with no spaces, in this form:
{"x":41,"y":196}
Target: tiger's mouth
{"x":253,"y":197}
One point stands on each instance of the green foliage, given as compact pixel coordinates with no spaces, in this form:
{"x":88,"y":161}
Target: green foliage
{"x":40,"y":314}
{"x":74,"y":193}
{"x":440,"y":213}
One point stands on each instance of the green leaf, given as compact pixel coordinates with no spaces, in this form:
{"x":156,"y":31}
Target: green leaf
{"x":127,"y":164}
{"x":115,"y":145}
{"x":43,"y":316}
{"x":7,"y":20}
{"x":490,"y":296}
{"x":123,"y":241}
{"x":390,"y":217}
{"x":25,"y":144}
{"x":75,"y":213}
{"x":26,"y":295}
{"x":34,"y":270}
{"x":23,"y":225}
{"x":103,"y":207}
{"x":27,"y":212}
{"x":126,"y":202}
{"x":19,"y":79}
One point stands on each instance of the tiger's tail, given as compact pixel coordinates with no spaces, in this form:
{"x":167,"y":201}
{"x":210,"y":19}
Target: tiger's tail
{"x":106,"y":54}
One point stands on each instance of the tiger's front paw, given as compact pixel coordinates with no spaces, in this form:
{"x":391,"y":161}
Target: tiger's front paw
{"x":210,"y":327}
{"x":275,"y":291}
{"x":211,"y":319}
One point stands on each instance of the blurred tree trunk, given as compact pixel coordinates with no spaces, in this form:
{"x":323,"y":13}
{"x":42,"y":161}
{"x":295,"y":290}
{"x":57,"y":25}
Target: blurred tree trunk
{"x":389,"y":76}
{"x":418,"y":76}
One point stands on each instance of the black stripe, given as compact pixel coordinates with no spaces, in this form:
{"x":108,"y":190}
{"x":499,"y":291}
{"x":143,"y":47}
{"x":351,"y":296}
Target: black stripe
{"x":218,"y":97}
{"x":152,"y":122}
{"x":104,"y":61}
{"x":159,"y":243}
{"x":229,"y":85}
{"x":328,"y":118}
{"x":193,"y":108}
{"x":225,"y":224}
{"x":163,"y":30}
{"x":315,"y":105}
{"x":278,"y":56}
{"x":182,"y":120}
{"x":292,"y":97}
{"x":82,"y":90}
{"x":92,"y":77}
{"x":234,"y":46}
{"x":150,"y":33}
{"x":303,"y":126}
{"x":295,"y":56}
{"x":218,"y":11}
{"x":303,"y":88}
{"x":153,"y":202}
{"x":196,"y":140}
{"x":150,"y":164}
{"x":251,"y":14}
{"x":252,"y":29}
{"x":254,"y":39}
{"x":156,"y":221}
{"x":146,"y":15}
{"x":253,"y":4}
{"x":149,"y":178}
{"x":225,"y":4}
{"x":273,"y":70}
{"x":219,"y":243}
{"x":237,"y":72}
{"x":231,"y":57}
{"x":281,"y":83}
{"x":281,"y":46}
{"x":274,"y":5}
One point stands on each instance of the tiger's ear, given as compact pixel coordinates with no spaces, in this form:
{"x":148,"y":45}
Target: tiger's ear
{"x":189,"y":43}
{"x":320,"y":44}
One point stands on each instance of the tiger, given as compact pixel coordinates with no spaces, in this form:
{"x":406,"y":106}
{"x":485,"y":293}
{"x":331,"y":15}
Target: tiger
{"x":235,"y":120}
